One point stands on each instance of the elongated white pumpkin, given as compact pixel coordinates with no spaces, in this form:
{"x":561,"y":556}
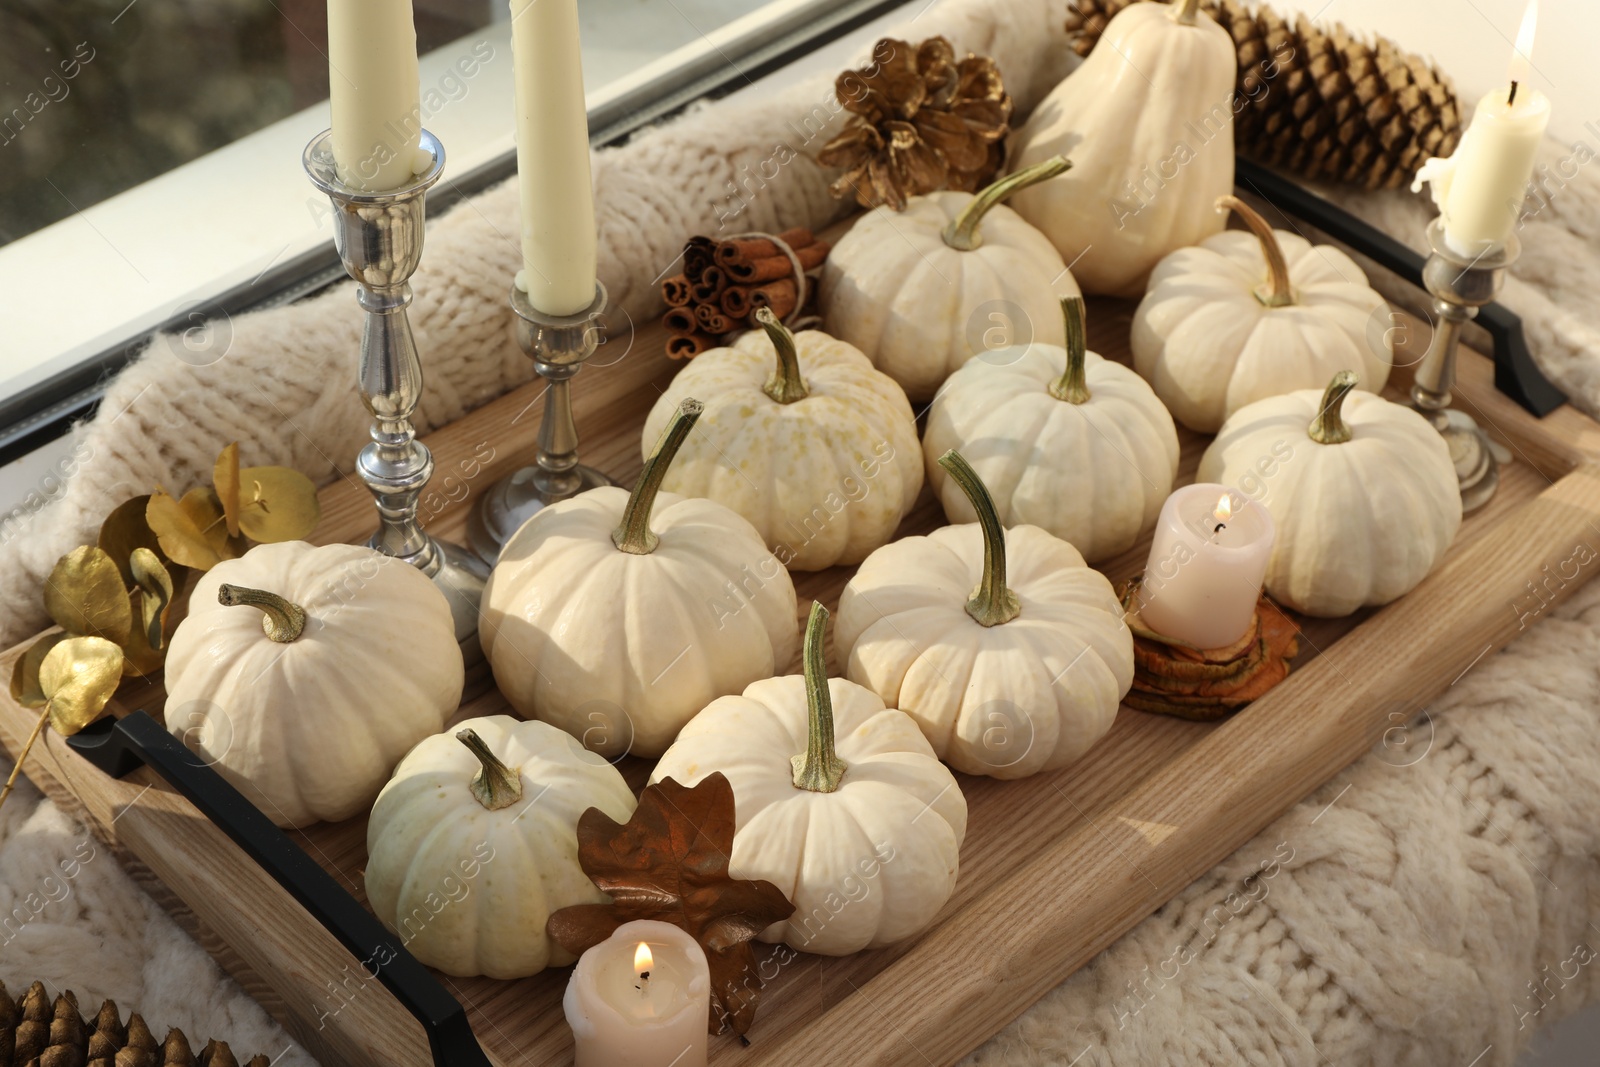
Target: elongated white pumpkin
{"x":839,"y":800}
{"x":1148,"y":123}
{"x":1063,"y":439}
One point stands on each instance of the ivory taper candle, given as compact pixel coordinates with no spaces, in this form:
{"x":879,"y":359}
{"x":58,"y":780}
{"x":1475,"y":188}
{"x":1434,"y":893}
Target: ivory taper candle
{"x":558,"y":230}
{"x":373,"y":92}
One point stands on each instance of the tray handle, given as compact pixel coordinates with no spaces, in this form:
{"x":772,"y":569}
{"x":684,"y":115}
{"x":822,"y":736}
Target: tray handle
{"x":120,"y":746}
{"x":1515,"y":373}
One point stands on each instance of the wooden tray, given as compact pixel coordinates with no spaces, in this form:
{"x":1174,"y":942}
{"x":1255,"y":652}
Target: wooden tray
{"x":1155,"y":804}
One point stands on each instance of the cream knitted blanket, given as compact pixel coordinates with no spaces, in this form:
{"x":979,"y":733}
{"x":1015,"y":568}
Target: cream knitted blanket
{"x":1417,"y":910}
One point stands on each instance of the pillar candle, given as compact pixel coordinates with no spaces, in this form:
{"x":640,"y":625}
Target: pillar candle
{"x":1480,"y":189}
{"x":642,"y":998}
{"x":1203,"y":578}
{"x":558,"y":230}
{"x":373,"y":92}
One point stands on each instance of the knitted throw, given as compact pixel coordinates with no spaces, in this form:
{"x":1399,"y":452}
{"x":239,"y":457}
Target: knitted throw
{"x":1420,"y":909}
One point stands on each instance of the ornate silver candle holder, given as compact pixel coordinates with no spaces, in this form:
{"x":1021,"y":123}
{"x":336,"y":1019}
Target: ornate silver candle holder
{"x":379,"y":237}
{"x":1460,"y":285}
{"x":558,"y":346}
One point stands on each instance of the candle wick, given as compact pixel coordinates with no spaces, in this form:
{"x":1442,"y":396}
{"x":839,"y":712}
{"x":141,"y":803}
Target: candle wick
{"x":1511,"y":97}
{"x":1219,"y":528}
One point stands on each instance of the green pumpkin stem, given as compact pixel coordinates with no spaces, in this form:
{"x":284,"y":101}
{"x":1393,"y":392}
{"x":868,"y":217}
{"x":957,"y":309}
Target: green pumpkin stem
{"x":633,"y":534}
{"x":495,"y":786}
{"x":962,"y":234}
{"x":819,"y":767}
{"x":1073,"y":385}
{"x":282,"y":621}
{"x":1329,"y":427}
{"x":1184,"y":11}
{"x":992,"y":603}
{"x":785,"y":386}
{"x":1277,"y":293}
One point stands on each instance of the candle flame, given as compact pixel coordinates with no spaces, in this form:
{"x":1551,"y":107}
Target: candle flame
{"x":1224,"y":510}
{"x":1521,"y":59}
{"x":642,"y":959}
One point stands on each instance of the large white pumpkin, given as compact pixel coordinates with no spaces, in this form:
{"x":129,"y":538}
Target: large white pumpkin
{"x":840,"y":803}
{"x":616,"y":617}
{"x":1148,"y":123}
{"x":1244,"y":316}
{"x":1009,"y":652}
{"x":1362,"y":492}
{"x":920,"y":291}
{"x":303,"y":674}
{"x":474,"y":842}
{"x":1063,"y":439}
{"x":803,"y":437}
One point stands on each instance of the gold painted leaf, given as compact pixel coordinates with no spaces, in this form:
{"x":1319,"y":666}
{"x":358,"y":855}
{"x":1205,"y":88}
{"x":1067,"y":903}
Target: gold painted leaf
{"x":155,"y":587}
{"x":193,"y":531}
{"x":126,"y":529}
{"x":279,"y":504}
{"x":25,"y":672}
{"x":138,"y":658}
{"x":80,"y":676}
{"x":225,"y":479}
{"x":85,"y":595}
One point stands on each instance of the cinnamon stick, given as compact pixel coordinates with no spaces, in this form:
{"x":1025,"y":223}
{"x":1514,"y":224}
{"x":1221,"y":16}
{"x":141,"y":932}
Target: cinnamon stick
{"x":778,"y":265}
{"x":689,"y":345}
{"x":698,"y":254}
{"x":709,"y":287}
{"x":712,"y":320}
{"x":675,"y":290}
{"x":781,"y":296}
{"x":736,"y":301}
{"x":680,"y":320}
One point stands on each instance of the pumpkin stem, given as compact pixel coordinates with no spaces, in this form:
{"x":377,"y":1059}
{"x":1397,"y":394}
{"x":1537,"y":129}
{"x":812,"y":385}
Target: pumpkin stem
{"x":1073,"y":385}
{"x":282,"y":621}
{"x":1277,"y":292}
{"x":785,"y":386}
{"x":992,"y":603}
{"x":633,"y":534}
{"x":962,"y":233}
{"x":818,"y":768}
{"x":1184,"y":11}
{"x":1329,"y":427}
{"x":495,"y":785}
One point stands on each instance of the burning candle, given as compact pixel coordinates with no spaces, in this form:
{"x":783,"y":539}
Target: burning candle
{"x":1479,"y":190}
{"x":1203,"y":578}
{"x":642,"y":997}
{"x":373,"y":92}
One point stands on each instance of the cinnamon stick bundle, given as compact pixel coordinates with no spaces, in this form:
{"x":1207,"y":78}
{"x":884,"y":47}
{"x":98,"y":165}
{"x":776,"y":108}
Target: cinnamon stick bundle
{"x":724,"y":282}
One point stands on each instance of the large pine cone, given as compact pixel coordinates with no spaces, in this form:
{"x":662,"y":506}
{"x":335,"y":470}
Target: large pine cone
{"x":36,"y":1032}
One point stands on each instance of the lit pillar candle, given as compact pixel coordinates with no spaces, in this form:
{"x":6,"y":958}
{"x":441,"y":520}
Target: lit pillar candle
{"x":642,"y":998}
{"x":1479,"y":190}
{"x":558,"y":231}
{"x":373,"y":93}
{"x":1204,"y":574}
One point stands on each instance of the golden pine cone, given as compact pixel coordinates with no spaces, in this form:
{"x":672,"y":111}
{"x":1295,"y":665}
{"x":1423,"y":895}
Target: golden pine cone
{"x":1325,"y":104}
{"x":36,"y":1032}
{"x":921,"y":120}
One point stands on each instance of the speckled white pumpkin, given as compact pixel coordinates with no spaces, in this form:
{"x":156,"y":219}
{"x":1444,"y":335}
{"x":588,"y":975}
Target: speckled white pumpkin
{"x":471,"y":846}
{"x":825,"y":473}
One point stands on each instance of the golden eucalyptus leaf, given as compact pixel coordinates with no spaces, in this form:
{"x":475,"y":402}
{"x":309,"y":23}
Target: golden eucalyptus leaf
{"x":85,"y":595}
{"x":25,"y":689}
{"x":138,"y":657}
{"x":155,"y":587}
{"x":225,"y":479}
{"x":80,"y":676}
{"x":126,"y":529}
{"x":192,"y":531}
{"x":279,"y":504}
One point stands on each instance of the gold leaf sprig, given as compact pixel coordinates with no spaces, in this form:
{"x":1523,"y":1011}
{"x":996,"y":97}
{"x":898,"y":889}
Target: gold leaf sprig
{"x":208,"y":525}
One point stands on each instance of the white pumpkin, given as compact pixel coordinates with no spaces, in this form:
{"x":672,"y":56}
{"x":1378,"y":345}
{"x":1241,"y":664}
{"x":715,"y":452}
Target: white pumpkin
{"x":920,"y":291}
{"x":801,"y":436}
{"x":1244,"y":316}
{"x":617,"y":616}
{"x":862,"y":833}
{"x":474,"y":842}
{"x":1362,"y":492}
{"x":1148,"y":122}
{"x":1063,"y":439}
{"x":303,"y":674}
{"x":1005,"y":680}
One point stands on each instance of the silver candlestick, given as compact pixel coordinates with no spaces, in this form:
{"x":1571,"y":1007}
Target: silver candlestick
{"x":1460,"y":285}
{"x":558,"y":346}
{"x":379,"y":237}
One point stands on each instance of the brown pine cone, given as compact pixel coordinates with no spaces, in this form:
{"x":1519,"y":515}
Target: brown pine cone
{"x":141,"y":1049}
{"x":33,"y":1029}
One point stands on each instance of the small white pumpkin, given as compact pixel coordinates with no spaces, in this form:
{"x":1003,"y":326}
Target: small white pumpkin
{"x":801,"y":436}
{"x":1063,"y":439}
{"x":1005,"y":681}
{"x":921,"y":290}
{"x":303,"y":674}
{"x":1362,"y":492}
{"x":1148,"y":122}
{"x":863,"y":834}
{"x":618,"y":626}
{"x":1244,"y":316}
{"x":474,"y":842}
